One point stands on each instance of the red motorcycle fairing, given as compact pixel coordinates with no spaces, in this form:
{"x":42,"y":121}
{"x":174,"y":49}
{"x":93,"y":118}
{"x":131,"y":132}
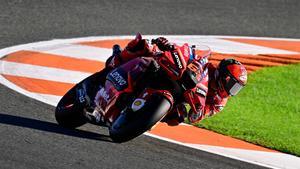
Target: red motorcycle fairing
{"x":121,"y":82}
{"x":175,"y":62}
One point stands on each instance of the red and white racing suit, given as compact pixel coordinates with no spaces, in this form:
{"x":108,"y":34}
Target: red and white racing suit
{"x":205,"y":96}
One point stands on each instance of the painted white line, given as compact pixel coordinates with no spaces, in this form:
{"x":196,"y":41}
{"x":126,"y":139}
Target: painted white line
{"x":277,"y":160}
{"x":41,"y":72}
{"x":76,"y":51}
{"x":211,"y":151}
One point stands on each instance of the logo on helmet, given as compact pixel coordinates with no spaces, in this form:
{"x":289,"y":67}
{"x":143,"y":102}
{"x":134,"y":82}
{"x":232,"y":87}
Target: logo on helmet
{"x":243,"y":76}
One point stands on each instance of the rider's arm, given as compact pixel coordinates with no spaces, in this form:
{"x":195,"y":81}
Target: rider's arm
{"x":205,"y":104}
{"x":214,"y":103}
{"x":196,"y":97}
{"x":197,"y":104}
{"x":199,"y":92}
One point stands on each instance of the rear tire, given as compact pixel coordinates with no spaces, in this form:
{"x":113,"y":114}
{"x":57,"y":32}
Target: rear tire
{"x":131,"y":124}
{"x":68,"y":113}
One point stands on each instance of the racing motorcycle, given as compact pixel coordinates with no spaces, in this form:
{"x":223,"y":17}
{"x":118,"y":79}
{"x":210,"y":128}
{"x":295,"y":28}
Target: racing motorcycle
{"x":135,"y":96}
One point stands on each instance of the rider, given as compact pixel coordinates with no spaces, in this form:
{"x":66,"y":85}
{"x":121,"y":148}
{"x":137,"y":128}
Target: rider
{"x":211,"y":92}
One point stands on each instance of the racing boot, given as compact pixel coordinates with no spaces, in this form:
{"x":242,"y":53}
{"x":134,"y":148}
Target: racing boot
{"x":95,"y":117}
{"x":93,"y":114}
{"x":115,"y":59}
{"x":116,"y":50}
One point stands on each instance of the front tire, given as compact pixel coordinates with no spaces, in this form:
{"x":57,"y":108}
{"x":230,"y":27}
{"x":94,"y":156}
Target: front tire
{"x":131,"y":124}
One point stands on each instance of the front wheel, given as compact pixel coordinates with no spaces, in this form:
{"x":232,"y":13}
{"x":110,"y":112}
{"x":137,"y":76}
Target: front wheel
{"x":131,"y":124}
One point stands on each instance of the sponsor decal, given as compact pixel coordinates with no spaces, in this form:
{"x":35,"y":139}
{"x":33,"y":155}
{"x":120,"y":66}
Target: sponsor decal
{"x":81,"y":94}
{"x":193,"y":67}
{"x":137,"y":104}
{"x":203,"y":61}
{"x":201,"y":91}
{"x":118,"y":78}
{"x":186,"y":50}
{"x":177,"y":59}
{"x":243,"y":76}
{"x":102,"y":93}
{"x":219,"y":107}
{"x":145,"y":94}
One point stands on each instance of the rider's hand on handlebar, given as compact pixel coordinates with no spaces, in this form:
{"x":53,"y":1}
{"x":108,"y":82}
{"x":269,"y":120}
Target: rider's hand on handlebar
{"x":162,"y":43}
{"x":195,"y":116}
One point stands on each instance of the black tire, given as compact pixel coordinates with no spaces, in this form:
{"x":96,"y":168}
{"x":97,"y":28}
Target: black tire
{"x":68,"y":113}
{"x":132,"y":124}
{"x":73,"y":116}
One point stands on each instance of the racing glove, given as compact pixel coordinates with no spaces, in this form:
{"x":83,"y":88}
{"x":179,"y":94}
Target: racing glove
{"x":162,"y":43}
{"x":195,"y":115}
{"x":197,"y":103}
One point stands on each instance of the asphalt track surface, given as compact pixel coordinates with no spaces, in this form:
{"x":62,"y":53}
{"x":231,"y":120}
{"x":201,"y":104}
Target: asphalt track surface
{"x":29,"y":135}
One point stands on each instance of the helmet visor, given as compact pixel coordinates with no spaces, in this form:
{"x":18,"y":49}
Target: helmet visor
{"x":235,"y":89}
{"x":232,"y":86}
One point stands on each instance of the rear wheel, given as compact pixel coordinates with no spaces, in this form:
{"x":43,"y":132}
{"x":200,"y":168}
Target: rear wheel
{"x":68,"y":112}
{"x":131,"y":124}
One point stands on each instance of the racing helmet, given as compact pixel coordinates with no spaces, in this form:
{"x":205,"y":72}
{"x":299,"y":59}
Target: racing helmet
{"x":231,"y":76}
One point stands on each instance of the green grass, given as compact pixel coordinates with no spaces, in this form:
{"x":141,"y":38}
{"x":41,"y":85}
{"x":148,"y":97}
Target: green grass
{"x":266,"y":112}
